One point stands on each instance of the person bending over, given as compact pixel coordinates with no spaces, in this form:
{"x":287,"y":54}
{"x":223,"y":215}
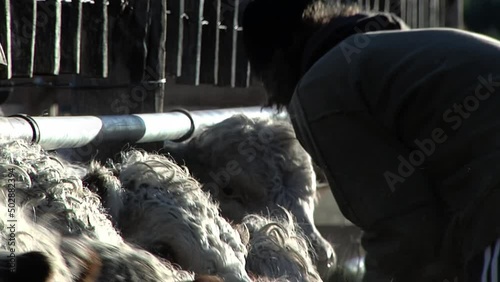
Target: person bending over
{"x":405,"y":124}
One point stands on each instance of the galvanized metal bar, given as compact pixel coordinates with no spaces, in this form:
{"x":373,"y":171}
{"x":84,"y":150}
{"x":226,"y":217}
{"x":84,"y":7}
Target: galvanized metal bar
{"x":77,"y":131}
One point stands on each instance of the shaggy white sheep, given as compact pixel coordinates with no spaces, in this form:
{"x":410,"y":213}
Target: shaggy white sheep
{"x":55,"y":229}
{"x":49,"y":185}
{"x":252,"y":166}
{"x":161,"y":208}
{"x":277,"y":249}
{"x":35,"y":251}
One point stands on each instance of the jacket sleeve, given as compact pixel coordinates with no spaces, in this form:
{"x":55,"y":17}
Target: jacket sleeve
{"x":372,"y":183}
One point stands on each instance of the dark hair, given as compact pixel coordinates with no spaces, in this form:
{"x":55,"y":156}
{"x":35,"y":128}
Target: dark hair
{"x":269,"y":25}
{"x":275,"y":33}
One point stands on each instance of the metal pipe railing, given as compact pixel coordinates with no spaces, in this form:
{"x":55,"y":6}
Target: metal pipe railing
{"x":77,"y":131}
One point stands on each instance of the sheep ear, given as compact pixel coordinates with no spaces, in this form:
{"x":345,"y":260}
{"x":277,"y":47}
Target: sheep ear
{"x":31,"y":266}
{"x":244,"y":233}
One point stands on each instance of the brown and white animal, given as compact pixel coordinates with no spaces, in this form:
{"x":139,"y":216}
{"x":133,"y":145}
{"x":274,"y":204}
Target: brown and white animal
{"x":158,"y":205}
{"x":252,"y":166}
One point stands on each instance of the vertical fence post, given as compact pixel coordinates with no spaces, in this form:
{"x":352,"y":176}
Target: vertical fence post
{"x":209,"y":42}
{"x":454,"y":13}
{"x":71,"y":36}
{"x":227,"y":43}
{"x":434,"y":13}
{"x":48,"y":37}
{"x":423,"y":13}
{"x":174,"y":37}
{"x":191,"y":57}
{"x":414,"y":12}
{"x":442,"y":12}
{"x":5,"y":38}
{"x":94,"y":39}
{"x":157,"y":54}
{"x":403,"y":8}
{"x":23,"y":21}
{"x":242,"y":71}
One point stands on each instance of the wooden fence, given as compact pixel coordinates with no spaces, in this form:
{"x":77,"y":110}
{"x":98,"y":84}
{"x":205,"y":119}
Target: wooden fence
{"x":146,"y":41}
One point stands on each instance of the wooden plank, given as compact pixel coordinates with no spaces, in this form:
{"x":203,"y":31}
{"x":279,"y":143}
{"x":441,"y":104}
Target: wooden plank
{"x":414,"y":13}
{"x":454,"y":14}
{"x":209,"y":42}
{"x":71,"y":36}
{"x":228,"y":39}
{"x":48,"y":38}
{"x":404,"y":15}
{"x":191,"y":43}
{"x":387,"y":6}
{"x":423,"y":13}
{"x":23,"y":37}
{"x":434,"y":13}
{"x":130,"y":42}
{"x":5,"y":40}
{"x":442,"y":13}
{"x":157,"y":51}
{"x":175,"y":26}
{"x":242,"y":65}
{"x":94,"y":39}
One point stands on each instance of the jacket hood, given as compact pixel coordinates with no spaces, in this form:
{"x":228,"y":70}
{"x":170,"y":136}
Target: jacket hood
{"x":340,"y":28}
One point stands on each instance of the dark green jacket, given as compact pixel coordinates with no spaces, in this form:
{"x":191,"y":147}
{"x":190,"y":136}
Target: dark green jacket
{"x":406,"y":125}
